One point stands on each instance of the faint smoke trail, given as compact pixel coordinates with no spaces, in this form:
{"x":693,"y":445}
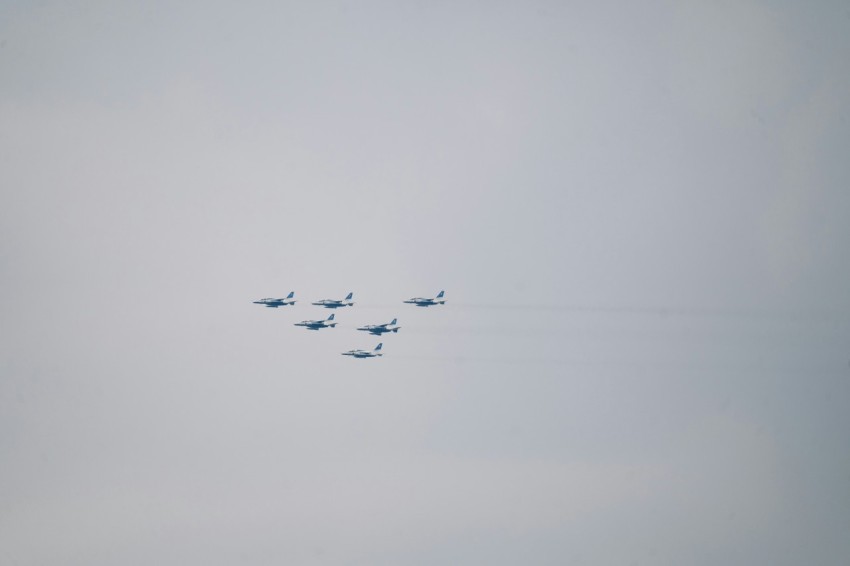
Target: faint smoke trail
{"x":461,"y":360}
{"x":832,"y":315}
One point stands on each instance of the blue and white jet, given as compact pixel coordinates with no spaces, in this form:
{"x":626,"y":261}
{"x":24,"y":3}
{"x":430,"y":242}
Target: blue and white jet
{"x":274,"y":303}
{"x":336,"y":303}
{"x":365,"y":353}
{"x":317,"y":324}
{"x":378,"y":329}
{"x":421,"y":302}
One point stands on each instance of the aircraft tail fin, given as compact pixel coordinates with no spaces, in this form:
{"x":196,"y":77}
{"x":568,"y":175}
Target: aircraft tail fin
{"x":290,"y":295}
{"x":394,"y":321}
{"x":440,"y":295}
{"x":379,"y":346}
{"x":349,"y":296}
{"x":331,"y":317}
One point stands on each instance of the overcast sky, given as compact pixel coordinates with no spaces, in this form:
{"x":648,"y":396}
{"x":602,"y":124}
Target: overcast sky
{"x":640,"y":213}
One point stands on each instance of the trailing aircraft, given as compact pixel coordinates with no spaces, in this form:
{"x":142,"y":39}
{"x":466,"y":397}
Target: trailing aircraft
{"x":378,"y":329}
{"x":336,"y":303}
{"x":274,"y":303}
{"x":365,"y":353}
{"x":317,"y":324}
{"x":421,"y":302}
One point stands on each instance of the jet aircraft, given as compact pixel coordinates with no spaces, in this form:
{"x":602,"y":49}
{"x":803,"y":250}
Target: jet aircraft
{"x":317,"y":324}
{"x":378,"y":329}
{"x":336,"y":303}
{"x":365,"y":353}
{"x":274,"y":303}
{"x":421,"y":302}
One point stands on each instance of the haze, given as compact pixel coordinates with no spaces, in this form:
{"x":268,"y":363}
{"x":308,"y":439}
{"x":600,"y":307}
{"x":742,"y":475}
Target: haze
{"x":639,"y":213}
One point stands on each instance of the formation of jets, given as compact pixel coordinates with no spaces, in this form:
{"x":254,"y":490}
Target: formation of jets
{"x":348,"y":301}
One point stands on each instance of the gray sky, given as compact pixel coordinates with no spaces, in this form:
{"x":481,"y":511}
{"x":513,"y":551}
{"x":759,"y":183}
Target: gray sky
{"x":639,"y":215}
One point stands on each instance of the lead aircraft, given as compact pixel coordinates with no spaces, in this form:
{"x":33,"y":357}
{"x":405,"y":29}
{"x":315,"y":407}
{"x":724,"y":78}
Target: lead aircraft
{"x":365,"y":353}
{"x":421,"y":302}
{"x":274,"y":303}
{"x":317,"y":324}
{"x":336,"y":303}
{"x":378,"y":329}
